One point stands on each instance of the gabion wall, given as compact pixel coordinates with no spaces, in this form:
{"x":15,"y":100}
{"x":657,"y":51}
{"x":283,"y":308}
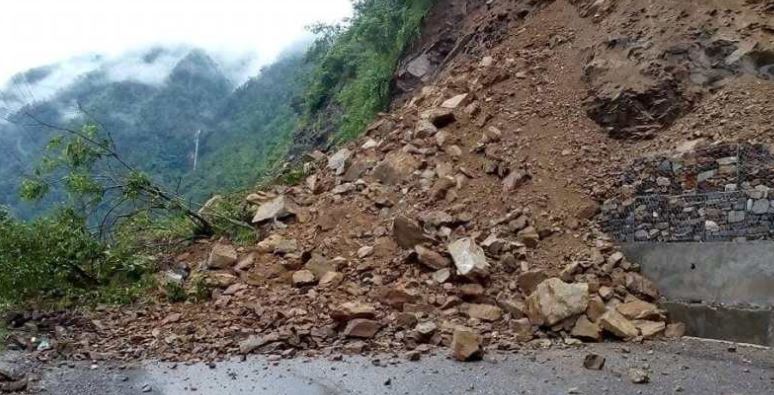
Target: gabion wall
{"x":720,"y":193}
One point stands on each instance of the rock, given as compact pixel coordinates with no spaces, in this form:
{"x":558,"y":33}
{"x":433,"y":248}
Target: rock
{"x":485,"y":312}
{"x":426,"y":329}
{"x":407,"y":233}
{"x":442,"y":276}
{"x":406,"y":320}
{"x":615,"y":323}
{"x":469,"y":258}
{"x":596,"y":308}
{"x":338,"y":161}
{"x":278,"y":245}
{"x":466,"y":345}
{"x":396,"y":168}
{"x":514,"y":180}
{"x":674,"y":330}
{"x":440,"y":117}
{"x":441,"y":187}
{"x":455,"y":101}
{"x":431,"y":259}
{"x":254,"y":342}
{"x":711,"y":226}
{"x":492,"y":135}
{"x":370,"y":143}
{"x":424,"y":129}
{"x":554,"y":300}
{"x":594,"y":362}
{"x":760,"y":206}
{"x":413,"y":356}
{"x":276,"y":209}
{"x":586,"y":330}
{"x":638,"y":376}
{"x":220,"y":280}
{"x":640,"y":285}
{"x":331,"y":279}
{"x":351,"y":310}
{"x":471,"y":290}
{"x":589,"y":210}
{"x":303,"y":277}
{"x":319,"y":265}
{"x":639,"y":310}
{"x":365,"y":252}
{"x":222,"y":256}
{"x":394,"y":297}
{"x":514,"y":307}
{"x":529,"y":237}
{"x":362,"y":328}
{"x":528,"y":281}
{"x":649,"y":329}
{"x":419,"y":66}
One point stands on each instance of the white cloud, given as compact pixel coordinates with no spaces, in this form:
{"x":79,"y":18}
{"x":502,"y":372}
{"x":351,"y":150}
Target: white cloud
{"x":39,"y":32}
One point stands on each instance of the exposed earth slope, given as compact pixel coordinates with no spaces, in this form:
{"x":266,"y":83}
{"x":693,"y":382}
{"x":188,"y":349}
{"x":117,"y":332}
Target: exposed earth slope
{"x":514,"y":122}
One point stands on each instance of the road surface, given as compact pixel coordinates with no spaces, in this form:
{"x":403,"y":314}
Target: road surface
{"x":688,"y":366}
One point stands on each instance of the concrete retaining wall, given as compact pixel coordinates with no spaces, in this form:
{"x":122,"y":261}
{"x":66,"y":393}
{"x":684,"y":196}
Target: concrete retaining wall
{"x":720,"y":290}
{"x":716,"y":272}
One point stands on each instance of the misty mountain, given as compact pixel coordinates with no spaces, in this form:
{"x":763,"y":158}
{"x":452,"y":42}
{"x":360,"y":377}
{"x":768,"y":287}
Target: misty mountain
{"x":154,"y":121}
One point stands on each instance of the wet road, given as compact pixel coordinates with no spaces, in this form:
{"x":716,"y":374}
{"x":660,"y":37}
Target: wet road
{"x":685,"y":367}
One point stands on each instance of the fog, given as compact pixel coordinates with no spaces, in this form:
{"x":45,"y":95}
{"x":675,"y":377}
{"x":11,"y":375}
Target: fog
{"x":79,"y":36}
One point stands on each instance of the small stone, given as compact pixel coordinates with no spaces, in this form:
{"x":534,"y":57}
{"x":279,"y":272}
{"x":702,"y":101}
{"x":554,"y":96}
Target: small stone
{"x":515,"y":180}
{"x":454,"y":102}
{"x":362,"y":328}
{"x":638,"y":376}
{"x":331,"y":279}
{"x":586,"y":330}
{"x":469,"y":258}
{"x":674,"y":330}
{"x":338,"y":161}
{"x":529,"y":236}
{"x":426,"y":329}
{"x":594,"y":362}
{"x":442,"y":276}
{"x":528,"y":281}
{"x":485,"y":312}
{"x":407,"y":233}
{"x":303,"y":277}
{"x":413,"y":356}
{"x":222,"y":256}
{"x":351,"y":310}
{"x":365,"y":252}
{"x":431,"y":259}
{"x":466,"y":345}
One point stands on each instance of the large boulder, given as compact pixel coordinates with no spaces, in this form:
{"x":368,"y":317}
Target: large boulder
{"x":466,"y":345}
{"x":554,"y":300}
{"x":615,"y":323}
{"x":222,"y":256}
{"x":407,"y":233}
{"x":469,"y":258}
{"x":277,"y":208}
{"x":338,"y":161}
{"x":396,"y":167}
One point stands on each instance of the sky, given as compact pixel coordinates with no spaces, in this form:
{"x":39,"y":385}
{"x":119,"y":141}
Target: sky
{"x":40,"y":32}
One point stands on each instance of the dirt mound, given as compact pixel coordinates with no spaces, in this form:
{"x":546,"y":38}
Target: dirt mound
{"x":465,"y":218}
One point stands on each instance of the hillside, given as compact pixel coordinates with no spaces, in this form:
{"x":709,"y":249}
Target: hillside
{"x":154,"y":117}
{"x":463,"y":218}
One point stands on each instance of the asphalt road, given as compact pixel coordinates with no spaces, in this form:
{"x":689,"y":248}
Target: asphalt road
{"x":684,"y":367}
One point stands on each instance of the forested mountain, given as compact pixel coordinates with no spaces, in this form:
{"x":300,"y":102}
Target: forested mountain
{"x":155,"y":124}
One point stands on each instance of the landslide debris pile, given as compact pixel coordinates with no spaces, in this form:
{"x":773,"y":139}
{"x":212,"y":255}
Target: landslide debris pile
{"x":466,"y":217}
